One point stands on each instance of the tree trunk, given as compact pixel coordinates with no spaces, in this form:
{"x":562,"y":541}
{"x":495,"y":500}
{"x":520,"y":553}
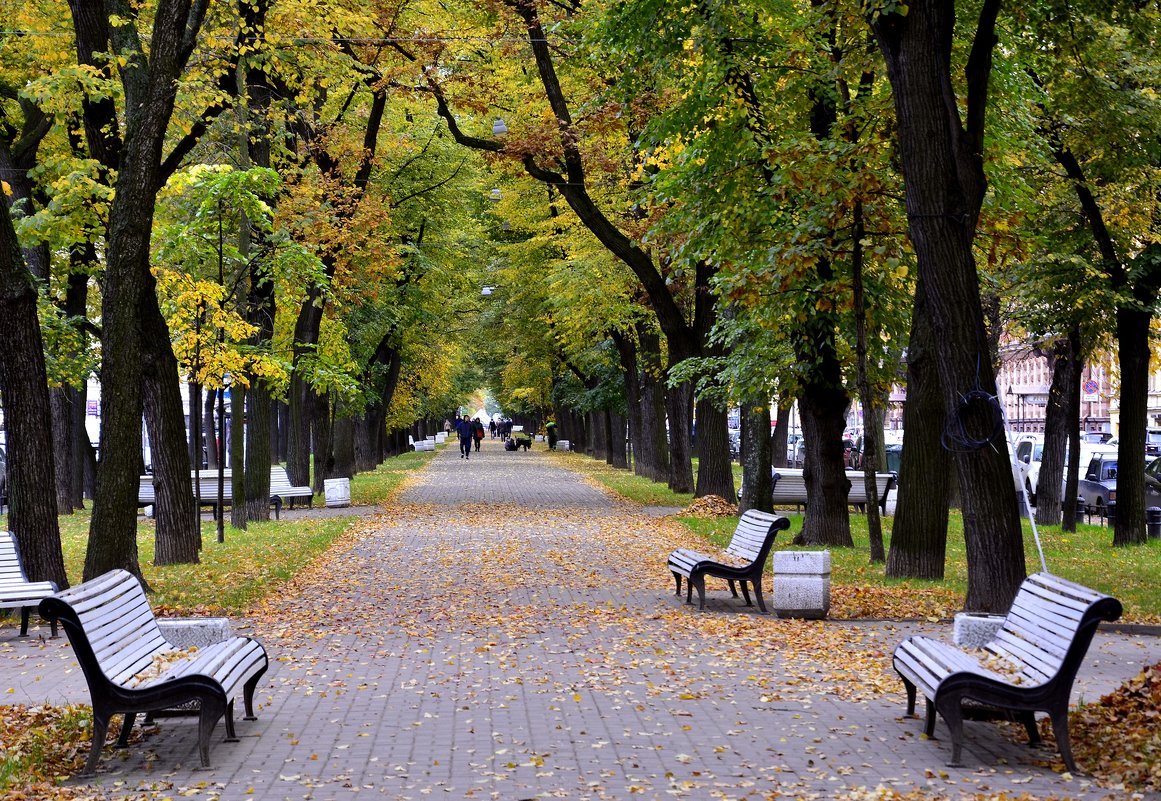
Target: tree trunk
{"x":178,"y":530}
{"x":617,"y":434}
{"x":780,"y":434}
{"x":239,"y":477}
{"x":919,"y":534}
{"x":715,"y":474}
{"x":321,"y":426}
{"x":679,"y":410}
{"x":827,"y":520}
{"x":24,"y":392}
{"x":1072,"y":469}
{"x":1059,"y":420}
{"x":600,"y":434}
{"x":210,"y":430}
{"x":344,"y":448}
{"x":1133,"y":355}
{"x":62,"y":447}
{"x":652,"y":452}
{"x":944,"y":186}
{"x":76,"y":306}
{"x":630,"y":372}
{"x":756,"y":462}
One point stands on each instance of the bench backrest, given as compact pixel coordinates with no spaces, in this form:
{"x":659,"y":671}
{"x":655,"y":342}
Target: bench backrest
{"x":1050,"y":626}
{"x":754,"y":536}
{"x":11,"y":570}
{"x":790,"y":486}
{"x":110,"y":625}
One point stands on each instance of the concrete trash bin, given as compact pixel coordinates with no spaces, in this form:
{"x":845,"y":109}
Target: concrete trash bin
{"x":337,"y":491}
{"x":802,"y":584}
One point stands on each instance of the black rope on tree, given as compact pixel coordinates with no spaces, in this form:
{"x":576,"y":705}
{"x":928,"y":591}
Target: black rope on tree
{"x":956,"y":437}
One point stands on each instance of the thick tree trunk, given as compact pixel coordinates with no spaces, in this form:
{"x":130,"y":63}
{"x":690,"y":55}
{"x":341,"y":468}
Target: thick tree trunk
{"x":617,"y":437}
{"x":756,"y":456}
{"x":239,"y":477}
{"x":62,"y":447}
{"x":630,"y":372}
{"x":177,"y":534}
{"x":679,"y":410}
{"x":652,"y":451}
{"x":1059,"y":421}
{"x":210,"y":430}
{"x":598,"y":442}
{"x":343,"y":448}
{"x":780,"y":434}
{"x":24,"y":393}
{"x":1133,"y":356}
{"x":827,"y":520}
{"x":944,"y":186}
{"x":919,"y":534}
{"x":321,"y":426}
{"x":715,"y":474}
{"x":1072,"y":469}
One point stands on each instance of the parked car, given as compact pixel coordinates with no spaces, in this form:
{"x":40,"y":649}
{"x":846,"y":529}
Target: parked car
{"x":1030,"y":452}
{"x":1099,"y":484}
{"x":1153,"y":442}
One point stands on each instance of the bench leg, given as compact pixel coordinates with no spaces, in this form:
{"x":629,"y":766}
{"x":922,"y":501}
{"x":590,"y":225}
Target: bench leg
{"x":700,"y":587}
{"x":126,"y":729}
{"x":231,"y":735}
{"x":910,"y":697}
{"x":1060,"y":729}
{"x":25,"y":611}
{"x":758,"y":596}
{"x":745,"y":593}
{"x":1029,"y":721}
{"x":211,"y":711}
{"x":734,"y":590}
{"x":677,"y":578}
{"x":952,"y":711}
{"x":100,"y":729}
{"x":248,"y":695}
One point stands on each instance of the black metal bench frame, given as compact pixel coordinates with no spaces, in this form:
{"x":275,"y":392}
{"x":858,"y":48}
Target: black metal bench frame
{"x":751,"y":543}
{"x":1041,"y":645}
{"x":113,"y":612}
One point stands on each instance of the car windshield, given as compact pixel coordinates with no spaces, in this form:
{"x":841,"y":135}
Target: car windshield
{"x":1108,"y":470}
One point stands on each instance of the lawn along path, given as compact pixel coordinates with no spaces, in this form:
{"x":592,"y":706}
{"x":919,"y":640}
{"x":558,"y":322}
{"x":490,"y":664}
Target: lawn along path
{"x":508,"y":631}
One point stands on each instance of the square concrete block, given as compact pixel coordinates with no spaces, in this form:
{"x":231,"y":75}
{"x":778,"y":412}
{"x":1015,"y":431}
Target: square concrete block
{"x":184,"y":632}
{"x":975,"y":630}
{"x":802,"y":584}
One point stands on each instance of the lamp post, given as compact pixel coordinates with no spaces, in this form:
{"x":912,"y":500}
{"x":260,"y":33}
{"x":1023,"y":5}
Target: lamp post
{"x":499,"y":128}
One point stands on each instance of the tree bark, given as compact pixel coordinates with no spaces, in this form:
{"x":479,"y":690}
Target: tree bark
{"x":1133,"y":356}
{"x":24,"y":391}
{"x":1072,"y":469}
{"x":944,"y":185}
{"x":1059,"y":420}
{"x":178,"y":532}
{"x":919,"y":534}
{"x":756,"y":452}
{"x":322,"y":427}
{"x":679,"y":409}
{"x":715,"y":473}
{"x":630,"y":372}
{"x":617,"y":456}
{"x":62,"y":446}
{"x":344,"y":447}
{"x":780,"y":433}
{"x":652,"y":452}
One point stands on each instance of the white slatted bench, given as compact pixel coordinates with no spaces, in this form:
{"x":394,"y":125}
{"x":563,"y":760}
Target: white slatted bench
{"x":16,"y":591}
{"x":281,"y":490}
{"x":1028,"y":667}
{"x":790,"y":488}
{"x":749,"y":547}
{"x":130,"y":667}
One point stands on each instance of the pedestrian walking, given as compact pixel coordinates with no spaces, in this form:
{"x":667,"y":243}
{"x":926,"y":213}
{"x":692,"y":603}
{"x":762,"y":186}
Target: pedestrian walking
{"x":492,"y":428}
{"x":478,"y":431}
{"x":466,"y":430}
{"x":551,"y":428}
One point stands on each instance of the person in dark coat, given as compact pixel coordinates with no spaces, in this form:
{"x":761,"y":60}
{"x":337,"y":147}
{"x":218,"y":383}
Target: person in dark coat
{"x":478,"y":431}
{"x":466,"y":430}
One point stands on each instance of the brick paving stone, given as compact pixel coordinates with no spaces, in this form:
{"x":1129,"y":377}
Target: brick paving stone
{"x":404,"y":689}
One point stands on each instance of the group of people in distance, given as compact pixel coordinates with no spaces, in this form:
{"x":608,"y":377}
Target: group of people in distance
{"x":471,"y":432}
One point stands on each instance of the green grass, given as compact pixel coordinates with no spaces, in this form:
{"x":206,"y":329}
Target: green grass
{"x":1131,"y":574}
{"x":233,"y":575}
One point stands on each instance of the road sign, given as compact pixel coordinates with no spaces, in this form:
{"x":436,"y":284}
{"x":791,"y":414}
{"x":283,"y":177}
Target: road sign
{"x":1090,"y":387}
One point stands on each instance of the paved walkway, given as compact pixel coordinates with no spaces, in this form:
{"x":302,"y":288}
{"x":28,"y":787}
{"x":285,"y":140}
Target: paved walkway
{"x":509,"y":632}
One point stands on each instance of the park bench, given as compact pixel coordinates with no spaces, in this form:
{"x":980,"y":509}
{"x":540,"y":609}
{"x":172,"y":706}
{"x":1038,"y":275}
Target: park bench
{"x":16,"y":591}
{"x":281,"y":490}
{"x":1028,"y":667}
{"x":790,"y":488}
{"x":748,"y":549}
{"x":130,"y":667}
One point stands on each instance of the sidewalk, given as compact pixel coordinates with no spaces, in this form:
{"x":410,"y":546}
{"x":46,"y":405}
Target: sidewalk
{"x":511,"y":632}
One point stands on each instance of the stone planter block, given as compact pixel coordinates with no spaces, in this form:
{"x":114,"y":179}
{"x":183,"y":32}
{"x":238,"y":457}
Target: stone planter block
{"x":802,"y":584}
{"x":975,"y":630}
{"x":184,"y":632}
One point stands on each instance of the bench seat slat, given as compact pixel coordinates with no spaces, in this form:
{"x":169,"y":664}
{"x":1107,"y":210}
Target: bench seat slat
{"x":16,"y":591}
